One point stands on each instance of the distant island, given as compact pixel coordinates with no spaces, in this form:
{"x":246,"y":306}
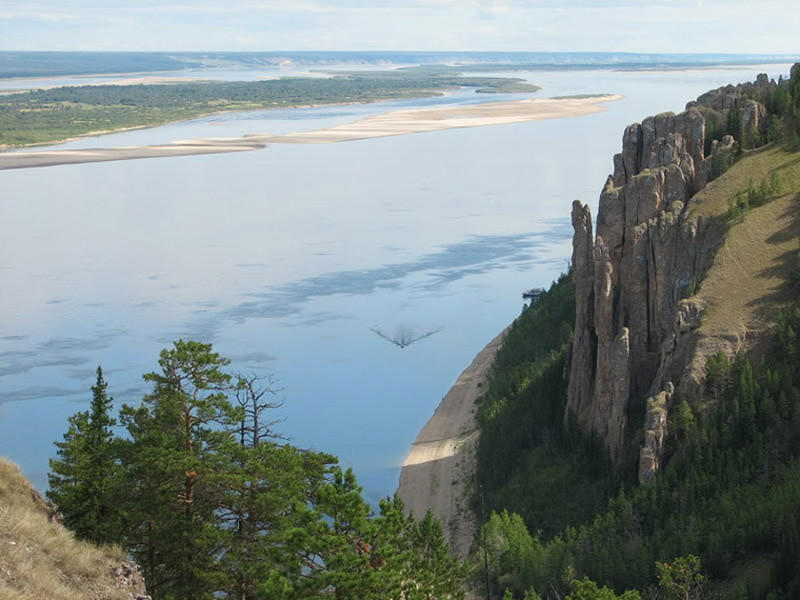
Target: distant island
{"x":45,"y":116}
{"x":397,"y":122}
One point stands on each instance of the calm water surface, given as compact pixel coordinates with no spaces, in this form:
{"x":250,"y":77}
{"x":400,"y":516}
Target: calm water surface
{"x":285,"y":258}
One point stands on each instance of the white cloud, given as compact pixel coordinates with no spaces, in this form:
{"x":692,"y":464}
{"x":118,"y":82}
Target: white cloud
{"x":9,"y":15}
{"x":719,"y":26}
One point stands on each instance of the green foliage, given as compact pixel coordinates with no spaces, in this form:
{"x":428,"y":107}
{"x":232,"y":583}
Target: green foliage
{"x":684,"y":420}
{"x":522,"y":464}
{"x":718,"y":125}
{"x":512,"y":551}
{"x":177,"y":438}
{"x":754,"y":196}
{"x":796,"y":272}
{"x":41,"y":116}
{"x":794,"y":102}
{"x":721,"y":161}
{"x":84,"y":479}
{"x":682,"y":579}
{"x":586,"y":589}
{"x":209,"y":502}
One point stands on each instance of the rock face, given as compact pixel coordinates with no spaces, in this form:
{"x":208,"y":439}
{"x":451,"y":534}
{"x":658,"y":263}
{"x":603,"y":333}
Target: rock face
{"x":735,"y":96}
{"x":754,"y":120}
{"x":636,"y":323}
{"x":631,"y":277}
{"x":128,"y":576}
{"x":655,"y":433}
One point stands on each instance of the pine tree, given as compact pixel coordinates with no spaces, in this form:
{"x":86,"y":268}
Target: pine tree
{"x":263,"y":487}
{"x":216,"y":505}
{"x":84,"y":478}
{"x":436,"y":574}
{"x":176,"y":438}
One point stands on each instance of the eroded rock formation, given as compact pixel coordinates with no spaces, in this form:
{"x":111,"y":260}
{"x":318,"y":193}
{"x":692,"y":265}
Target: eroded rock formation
{"x":631,"y":276}
{"x":635,"y":321}
{"x":655,"y":433}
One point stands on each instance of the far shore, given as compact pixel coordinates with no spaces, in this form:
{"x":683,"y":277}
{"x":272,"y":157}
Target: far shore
{"x":392,"y":123}
{"x":203,"y":115}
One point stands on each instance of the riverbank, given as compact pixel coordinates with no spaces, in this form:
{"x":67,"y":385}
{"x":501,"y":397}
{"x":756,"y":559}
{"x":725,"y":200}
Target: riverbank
{"x":438,"y":471}
{"x":398,"y":122}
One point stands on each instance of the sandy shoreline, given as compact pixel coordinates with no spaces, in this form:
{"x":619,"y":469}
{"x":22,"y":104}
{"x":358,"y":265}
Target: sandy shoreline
{"x":438,"y":471}
{"x":398,"y":122}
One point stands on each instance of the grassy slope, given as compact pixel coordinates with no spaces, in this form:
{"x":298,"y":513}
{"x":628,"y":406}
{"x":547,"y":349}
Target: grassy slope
{"x":40,"y":559}
{"x":749,"y":279}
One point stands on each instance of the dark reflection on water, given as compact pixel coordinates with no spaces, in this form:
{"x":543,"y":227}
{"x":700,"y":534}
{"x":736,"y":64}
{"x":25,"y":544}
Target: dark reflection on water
{"x":55,"y":352}
{"x":473,"y":256}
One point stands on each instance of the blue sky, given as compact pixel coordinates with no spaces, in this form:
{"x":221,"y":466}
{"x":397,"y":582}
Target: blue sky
{"x":654,"y":26}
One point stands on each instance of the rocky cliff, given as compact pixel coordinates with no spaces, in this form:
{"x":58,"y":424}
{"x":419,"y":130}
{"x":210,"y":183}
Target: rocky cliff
{"x":636,"y":274}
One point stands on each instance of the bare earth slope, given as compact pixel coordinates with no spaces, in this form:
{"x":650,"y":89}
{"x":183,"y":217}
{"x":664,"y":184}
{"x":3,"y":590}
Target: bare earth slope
{"x":439,"y":467}
{"x":399,"y":122}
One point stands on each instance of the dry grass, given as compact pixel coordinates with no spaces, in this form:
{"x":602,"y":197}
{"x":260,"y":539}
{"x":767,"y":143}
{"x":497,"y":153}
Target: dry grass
{"x":750,"y":278}
{"x":755,"y":166}
{"x":40,"y":559}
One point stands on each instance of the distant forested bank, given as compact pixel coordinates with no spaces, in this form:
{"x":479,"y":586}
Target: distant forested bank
{"x":43,"y":116}
{"x":53,"y":64}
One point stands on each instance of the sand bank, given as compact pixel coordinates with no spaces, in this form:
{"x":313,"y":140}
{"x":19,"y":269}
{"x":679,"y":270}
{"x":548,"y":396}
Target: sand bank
{"x":438,"y":473}
{"x":25,"y":160}
{"x":398,"y":122}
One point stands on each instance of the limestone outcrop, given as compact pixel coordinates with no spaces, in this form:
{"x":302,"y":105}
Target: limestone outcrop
{"x":655,"y":433}
{"x":735,"y":96}
{"x":634,"y":275}
{"x":631,"y":277}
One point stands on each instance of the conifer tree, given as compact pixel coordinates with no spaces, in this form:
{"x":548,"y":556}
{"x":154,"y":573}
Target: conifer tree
{"x":217,"y":505}
{"x":177,"y":435}
{"x":436,"y":573}
{"x":84,"y":478}
{"x":263,"y":487}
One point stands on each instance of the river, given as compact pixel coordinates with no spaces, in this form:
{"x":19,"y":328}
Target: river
{"x":287,"y":259}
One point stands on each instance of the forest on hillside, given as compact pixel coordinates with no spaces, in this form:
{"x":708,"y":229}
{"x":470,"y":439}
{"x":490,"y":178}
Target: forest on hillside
{"x":722,"y":517}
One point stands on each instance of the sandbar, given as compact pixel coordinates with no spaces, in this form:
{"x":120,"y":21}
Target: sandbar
{"x":398,"y":122}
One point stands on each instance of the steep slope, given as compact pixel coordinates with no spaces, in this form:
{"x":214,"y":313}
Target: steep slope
{"x":659,"y":228}
{"x":41,"y":559}
{"x":438,"y":470}
{"x":681,"y":370}
{"x":756,"y":259}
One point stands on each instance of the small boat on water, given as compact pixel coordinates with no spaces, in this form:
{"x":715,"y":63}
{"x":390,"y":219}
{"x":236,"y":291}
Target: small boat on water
{"x":533,"y":294}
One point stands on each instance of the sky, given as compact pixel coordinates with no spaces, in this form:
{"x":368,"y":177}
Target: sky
{"x":647,"y":26}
